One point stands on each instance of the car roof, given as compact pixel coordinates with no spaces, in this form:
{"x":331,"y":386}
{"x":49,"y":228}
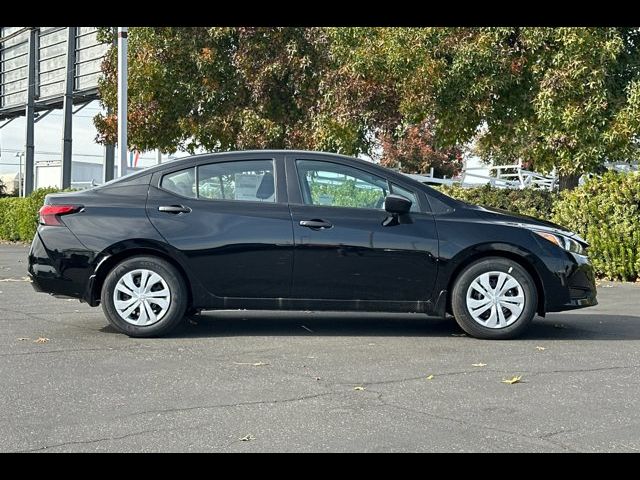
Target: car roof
{"x":234,"y":153}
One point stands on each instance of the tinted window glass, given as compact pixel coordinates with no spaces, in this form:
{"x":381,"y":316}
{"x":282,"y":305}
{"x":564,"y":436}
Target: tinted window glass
{"x":397,"y":189}
{"x":247,"y":180}
{"x":182,"y":182}
{"x":331,"y":184}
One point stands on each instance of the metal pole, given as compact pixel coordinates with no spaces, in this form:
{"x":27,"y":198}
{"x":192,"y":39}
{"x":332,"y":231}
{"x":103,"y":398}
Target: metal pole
{"x":20,"y":188}
{"x":122,"y":99}
{"x":109,"y":155}
{"x":159,"y":158}
{"x":109,"y":149}
{"x":30,"y":111}
{"x":67,"y":130}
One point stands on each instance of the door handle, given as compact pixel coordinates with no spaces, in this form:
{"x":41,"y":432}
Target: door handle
{"x":315,"y":224}
{"x":175,"y":209}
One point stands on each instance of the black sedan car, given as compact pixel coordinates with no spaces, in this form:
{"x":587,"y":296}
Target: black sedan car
{"x":300,"y":230}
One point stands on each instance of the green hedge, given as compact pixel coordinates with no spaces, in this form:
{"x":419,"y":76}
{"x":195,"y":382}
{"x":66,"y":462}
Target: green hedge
{"x":19,"y":216}
{"x":535,"y":203}
{"x":605,"y":211}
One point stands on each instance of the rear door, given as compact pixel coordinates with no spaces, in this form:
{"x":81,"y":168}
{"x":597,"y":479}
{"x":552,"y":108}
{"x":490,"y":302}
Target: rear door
{"x":228,"y":216}
{"x":344,"y":247}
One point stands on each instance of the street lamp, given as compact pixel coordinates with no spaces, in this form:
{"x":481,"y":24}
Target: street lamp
{"x":20,"y":189}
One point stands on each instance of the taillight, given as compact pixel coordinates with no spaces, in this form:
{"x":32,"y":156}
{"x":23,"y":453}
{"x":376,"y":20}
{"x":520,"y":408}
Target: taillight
{"x":49,"y":214}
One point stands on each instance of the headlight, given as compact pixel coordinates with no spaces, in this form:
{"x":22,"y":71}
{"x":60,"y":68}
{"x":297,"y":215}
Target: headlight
{"x":567,"y":243}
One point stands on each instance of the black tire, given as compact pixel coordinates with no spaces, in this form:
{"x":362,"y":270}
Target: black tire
{"x":459,"y":298}
{"x":177,"y":306}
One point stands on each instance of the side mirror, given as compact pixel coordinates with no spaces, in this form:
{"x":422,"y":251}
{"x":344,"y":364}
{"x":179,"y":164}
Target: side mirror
{"x":397,"y":204}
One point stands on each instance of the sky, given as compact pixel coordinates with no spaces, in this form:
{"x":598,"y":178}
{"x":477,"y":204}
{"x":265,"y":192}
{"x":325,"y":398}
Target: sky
{"x":48,"y":142}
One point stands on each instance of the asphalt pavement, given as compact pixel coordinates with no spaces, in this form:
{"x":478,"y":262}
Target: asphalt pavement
{"x":305,"y":381}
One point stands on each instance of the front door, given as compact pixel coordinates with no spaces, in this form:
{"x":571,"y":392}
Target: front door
{"x":230,"y":220}
{"x":345,"y":247}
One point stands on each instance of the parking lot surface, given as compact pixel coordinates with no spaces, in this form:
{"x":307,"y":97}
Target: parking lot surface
{"x":306,"y":381}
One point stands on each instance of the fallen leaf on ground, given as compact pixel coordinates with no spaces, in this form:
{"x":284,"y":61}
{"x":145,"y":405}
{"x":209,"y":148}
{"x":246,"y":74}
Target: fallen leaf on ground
{"x":247,"y":438}
{"x":41,"y":340}
{"x":458,"y":334}
{"x":257,"y":364}
{"x":513,"y":380}
{"x":307,"y":329}
{"x":478,"y":364}
{"x":22,"y":339}
{"x":359,"y":389}
{"x":541,"y":349}
{"x":318,"y":378}
{"x":430,"y":377}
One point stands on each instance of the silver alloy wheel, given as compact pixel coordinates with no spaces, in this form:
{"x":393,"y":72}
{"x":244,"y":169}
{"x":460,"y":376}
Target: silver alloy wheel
{"x":495,"y":299}
{"x":141,"y":297}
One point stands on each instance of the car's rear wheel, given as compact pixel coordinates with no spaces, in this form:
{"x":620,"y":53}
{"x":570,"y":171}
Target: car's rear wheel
{"x":494,"y":298}
{"x":144,"y":297}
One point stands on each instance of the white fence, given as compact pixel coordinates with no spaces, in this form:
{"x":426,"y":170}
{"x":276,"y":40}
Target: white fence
{"x":509,"y":176}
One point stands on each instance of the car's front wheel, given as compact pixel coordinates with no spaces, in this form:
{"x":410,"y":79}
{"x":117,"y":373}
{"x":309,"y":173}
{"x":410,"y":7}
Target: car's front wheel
{"x":494,"y":298}
{"x":144,"y":297}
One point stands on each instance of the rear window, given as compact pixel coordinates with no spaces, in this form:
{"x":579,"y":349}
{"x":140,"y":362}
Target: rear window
{"x":182,"y":182}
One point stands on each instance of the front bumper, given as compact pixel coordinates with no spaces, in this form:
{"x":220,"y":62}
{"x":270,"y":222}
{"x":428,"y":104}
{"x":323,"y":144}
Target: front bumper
{"x":577,"y":285}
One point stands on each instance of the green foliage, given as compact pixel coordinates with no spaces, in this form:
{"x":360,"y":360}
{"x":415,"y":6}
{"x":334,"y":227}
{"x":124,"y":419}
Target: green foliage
{"x":529,"y":201}
{"x":19,"y":216}
{"x":236,"y":88}
{"x":606,"y":212}
{"x":567,"y":98}
{"x":345,"y":194}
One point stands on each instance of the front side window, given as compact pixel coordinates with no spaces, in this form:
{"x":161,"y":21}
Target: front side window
{"x":247,"y":180}
{"x":335,"y":185}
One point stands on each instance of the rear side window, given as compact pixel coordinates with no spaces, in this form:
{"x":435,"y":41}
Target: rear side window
{"x":182,"y":182}
{"x":247,"y":180}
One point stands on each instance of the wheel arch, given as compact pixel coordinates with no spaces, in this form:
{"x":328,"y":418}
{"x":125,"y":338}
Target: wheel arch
{"x":112,"y":257}
{"x":521,"y":257}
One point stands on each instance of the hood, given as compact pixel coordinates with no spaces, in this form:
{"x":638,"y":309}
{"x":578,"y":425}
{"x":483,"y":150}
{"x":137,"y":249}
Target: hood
{"x":514,"y":219}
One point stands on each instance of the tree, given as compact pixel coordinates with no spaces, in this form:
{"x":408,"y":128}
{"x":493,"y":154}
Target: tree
{"x":414,"y":151}
{"x":240,"y":88}
{"x":221,"y":88}
{"x":564,"y":98}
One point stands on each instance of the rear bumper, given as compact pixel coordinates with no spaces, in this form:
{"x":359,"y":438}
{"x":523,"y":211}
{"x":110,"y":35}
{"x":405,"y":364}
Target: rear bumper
{"x":54,"y":267}
{"x":577,"y":286}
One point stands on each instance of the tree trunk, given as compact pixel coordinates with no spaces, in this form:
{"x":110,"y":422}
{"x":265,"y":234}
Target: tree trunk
{"x":568,"y":182}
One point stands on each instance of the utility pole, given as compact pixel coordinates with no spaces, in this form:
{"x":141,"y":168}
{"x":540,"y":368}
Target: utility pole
{"x":67,"y":107}
{"x":30,"y":112}
{"x":122,"y":99}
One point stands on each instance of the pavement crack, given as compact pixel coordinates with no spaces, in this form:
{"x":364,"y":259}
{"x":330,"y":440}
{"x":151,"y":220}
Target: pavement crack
{"x":230,"y":405}
{"x":472,"y":424}
{"x":96,"y":440}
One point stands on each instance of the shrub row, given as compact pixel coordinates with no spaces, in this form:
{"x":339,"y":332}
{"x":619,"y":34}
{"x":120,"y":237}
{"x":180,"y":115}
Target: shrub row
{"x":19,"y":216}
